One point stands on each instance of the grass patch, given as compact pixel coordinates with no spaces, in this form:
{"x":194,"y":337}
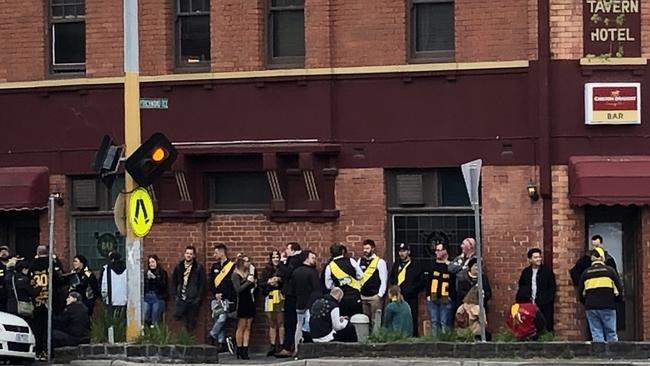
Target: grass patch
{"x":101,"y":323}
{"x":161,"y":335}
{"x":384,"y":335}
{"x":505,"y":335}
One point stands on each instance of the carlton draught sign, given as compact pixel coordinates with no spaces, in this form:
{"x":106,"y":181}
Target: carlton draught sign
{"x":612,"y":103}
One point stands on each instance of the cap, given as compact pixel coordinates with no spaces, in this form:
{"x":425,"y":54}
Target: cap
{"x":75,"y":295}
{"x":403,"y":246}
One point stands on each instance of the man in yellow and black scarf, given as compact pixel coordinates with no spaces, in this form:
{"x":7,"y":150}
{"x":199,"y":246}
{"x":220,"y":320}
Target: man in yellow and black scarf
{"x":189,"y":282}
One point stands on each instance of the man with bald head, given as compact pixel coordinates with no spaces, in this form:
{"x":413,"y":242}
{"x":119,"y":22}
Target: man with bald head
{"x":326,"y":322}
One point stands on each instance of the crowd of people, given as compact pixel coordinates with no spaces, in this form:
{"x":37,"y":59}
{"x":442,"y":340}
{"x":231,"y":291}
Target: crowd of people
{"x":303,"y":304}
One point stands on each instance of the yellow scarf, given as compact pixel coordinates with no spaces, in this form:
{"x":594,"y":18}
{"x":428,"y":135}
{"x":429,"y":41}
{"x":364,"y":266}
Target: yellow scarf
{"x":222,"y":274}
{"x":372,"y":267}
{"x":344,"y":278}
{"x":401,"y":276}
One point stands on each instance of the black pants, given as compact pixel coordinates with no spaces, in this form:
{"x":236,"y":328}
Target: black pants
{"x":63,"y":339}
{"x":40,"y":329}
{"x":547,"y":311}
{"x":188,"y":312}
{"x":347,"y":334}
{"x":413,"y":304}
{"x":351,"y":304}
{"x":290,"y":322}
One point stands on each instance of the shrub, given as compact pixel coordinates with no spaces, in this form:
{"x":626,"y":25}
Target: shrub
{"x":101,"y":323}
{"x":384,"y":335}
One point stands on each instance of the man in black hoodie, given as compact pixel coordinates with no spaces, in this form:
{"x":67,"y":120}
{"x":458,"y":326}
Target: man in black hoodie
{"x":291,"y":260}
{"x":72,"y":328}
{"x":408,"y":275}
{"x":189,"y":282}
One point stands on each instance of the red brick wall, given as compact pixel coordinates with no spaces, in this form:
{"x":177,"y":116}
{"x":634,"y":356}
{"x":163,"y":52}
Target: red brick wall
{"x":369,"y":32}
{"x":237,"y":35}
{"x":104,"y":38}
{"x":492,"y":30}
{"x":156,"y":33}
{"x":58,"y":183}
{"x":511,"y":225}
{"x":568,"y":246}
{"x":318,"y":19}
{"x":566,"y":29}
{"x":23,"y":34}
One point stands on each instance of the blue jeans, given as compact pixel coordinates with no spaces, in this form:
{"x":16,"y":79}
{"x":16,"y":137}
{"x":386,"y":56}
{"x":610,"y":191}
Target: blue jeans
{"x":602,"y":323}
{"x":440,"y":315}
{"x":218,"y":331}
{"x":153,"y":308}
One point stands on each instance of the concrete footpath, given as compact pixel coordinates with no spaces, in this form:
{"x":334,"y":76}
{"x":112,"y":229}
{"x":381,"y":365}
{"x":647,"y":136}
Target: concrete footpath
{"x":387,"y":362}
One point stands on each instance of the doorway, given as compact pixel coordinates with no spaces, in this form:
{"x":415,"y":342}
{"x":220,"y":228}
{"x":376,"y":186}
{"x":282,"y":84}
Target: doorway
{"x":20,"y":232}
{"x":620,"y":227}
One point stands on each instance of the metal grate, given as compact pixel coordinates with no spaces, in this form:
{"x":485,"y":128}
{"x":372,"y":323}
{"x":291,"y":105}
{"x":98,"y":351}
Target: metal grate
{"x":84,"y":192}
{"x":15,"y":328}
{"x":409,"y":189}
{"x":18,"y":347}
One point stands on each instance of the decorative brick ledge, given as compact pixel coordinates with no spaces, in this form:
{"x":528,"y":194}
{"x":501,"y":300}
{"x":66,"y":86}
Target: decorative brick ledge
{"x":495,"y":350}
{"x":139,"y":353}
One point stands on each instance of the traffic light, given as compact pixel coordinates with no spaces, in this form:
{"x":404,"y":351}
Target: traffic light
{"x":151,"y":159}
{"x":107,"y":160}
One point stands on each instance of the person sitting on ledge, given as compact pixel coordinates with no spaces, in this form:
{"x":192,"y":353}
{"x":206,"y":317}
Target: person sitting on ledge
{"x":326,"y":323}
{"x":72,"y":327}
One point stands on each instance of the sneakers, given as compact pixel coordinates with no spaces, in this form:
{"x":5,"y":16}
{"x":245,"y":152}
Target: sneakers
{"x":231,"y":346}
{"x":42,"y":356}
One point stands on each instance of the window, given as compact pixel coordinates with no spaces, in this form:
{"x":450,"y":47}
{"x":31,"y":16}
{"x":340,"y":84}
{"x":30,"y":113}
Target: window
{"x":437,"y":202}
{"x":432,"y":30}
{"x":68,"y":35}
{"x":92,"y":217}
{"x":286,"y":33}
{"x":193,"y":32}
{"x":239,"y":191}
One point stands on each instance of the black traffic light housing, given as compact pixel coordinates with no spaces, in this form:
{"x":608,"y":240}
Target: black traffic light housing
{"x":151,"y":159}
{"x":107,"y":160}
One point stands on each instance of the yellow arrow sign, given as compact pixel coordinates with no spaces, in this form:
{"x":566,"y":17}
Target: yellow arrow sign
{"x":140,"y":212}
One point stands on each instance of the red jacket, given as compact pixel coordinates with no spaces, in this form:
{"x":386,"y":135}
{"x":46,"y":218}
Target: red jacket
{"x":521,"y":319}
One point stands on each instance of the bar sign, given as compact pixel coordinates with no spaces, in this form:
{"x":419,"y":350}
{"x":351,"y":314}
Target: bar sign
{"x":154,"y":103}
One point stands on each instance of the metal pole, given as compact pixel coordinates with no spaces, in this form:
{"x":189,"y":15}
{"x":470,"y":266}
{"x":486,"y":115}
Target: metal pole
{"x":133,"y":255}
{"x":477,"y":225}
{"x":50,"y":279}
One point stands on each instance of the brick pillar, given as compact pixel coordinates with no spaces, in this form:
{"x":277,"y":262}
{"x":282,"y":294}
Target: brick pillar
{"x":23,"y":33}
{"x":237,"y":29}
{"x":318,"y":19}
{"x":61,"y":221}
{"x":511,"y":224}
{"x":568,"y":247}
{"x":156,"y":32}
{"x":566,"y":29}
{"x":104,"y":38}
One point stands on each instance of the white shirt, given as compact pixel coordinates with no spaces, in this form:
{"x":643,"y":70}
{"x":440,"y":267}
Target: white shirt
{"x":533,"y":285}
{"x":329,"y":283}
{"x":337,"y":324}
{"x":118,"y":287}
{"x":383,"y":275}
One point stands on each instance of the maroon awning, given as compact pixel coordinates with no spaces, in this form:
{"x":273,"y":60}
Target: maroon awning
{"x":24,"y":188}
{"x":609,"y":180}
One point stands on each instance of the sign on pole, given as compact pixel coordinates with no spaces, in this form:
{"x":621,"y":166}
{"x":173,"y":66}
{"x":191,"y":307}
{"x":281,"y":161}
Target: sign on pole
{"x":140,"y":212}
{"x":472,"y":176}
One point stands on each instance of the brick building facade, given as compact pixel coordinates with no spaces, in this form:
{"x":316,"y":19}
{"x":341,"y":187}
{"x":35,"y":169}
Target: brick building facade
{"x":374,"y":95}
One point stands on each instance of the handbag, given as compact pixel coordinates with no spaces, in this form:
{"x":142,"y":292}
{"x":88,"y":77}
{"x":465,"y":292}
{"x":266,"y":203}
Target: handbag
{"x":24,"y":308}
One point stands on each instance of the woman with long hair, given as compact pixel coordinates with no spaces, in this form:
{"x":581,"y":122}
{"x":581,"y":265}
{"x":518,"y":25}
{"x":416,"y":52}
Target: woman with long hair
{"x":271,"y":284}
{"x":243,"y":281}
{"x":397,"y":314}
{"x":155,"y":291}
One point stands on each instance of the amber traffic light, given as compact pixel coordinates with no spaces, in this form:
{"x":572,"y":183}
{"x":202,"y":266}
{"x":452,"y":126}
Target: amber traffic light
{"x":151,"y":159}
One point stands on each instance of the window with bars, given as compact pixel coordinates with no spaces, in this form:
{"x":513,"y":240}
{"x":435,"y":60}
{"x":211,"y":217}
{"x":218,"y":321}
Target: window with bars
{"x":86,"y":232}
{"x":432,"y":30}
{"x":68,"y":35}
{"x":193,"y":33}
{"x":286,"y":33}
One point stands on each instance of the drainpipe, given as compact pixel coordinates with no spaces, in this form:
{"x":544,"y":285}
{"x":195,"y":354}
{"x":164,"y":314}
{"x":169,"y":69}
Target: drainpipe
{"x":544,"y":145}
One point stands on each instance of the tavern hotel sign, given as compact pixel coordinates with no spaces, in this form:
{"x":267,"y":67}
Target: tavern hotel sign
{"x":612,"y":28}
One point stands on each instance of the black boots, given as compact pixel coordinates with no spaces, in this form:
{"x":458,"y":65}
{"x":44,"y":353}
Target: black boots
{"x":242,"y":352}
{"x":271,"y":351}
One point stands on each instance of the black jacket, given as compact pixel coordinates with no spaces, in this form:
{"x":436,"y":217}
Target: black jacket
{"x":39,"y":273}
{"x":74,"y":321}
{"x":600,"y":287}
{"x":225,"y":287}
{"x":88,"y":286}
{"x":286,"y":269}
{"x":195,"y":283}
{"x":269,"y":272}
{"x":304,"y":282}
{"x":585,"y":262}
{"x":24,"y":290}
{"x":158,"y":285}
{"x":467,"y":282}
{"x":545,"y":283}
{"x":414,"y":281}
